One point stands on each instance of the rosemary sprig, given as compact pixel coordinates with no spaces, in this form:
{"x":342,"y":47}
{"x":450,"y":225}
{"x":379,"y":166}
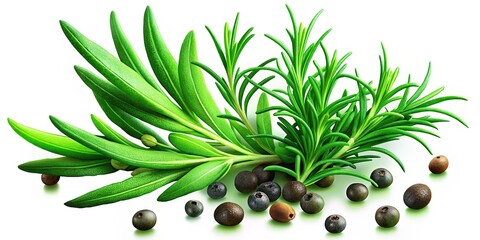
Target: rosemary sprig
{"x":326,"y":135}
{"x":321,"y":136}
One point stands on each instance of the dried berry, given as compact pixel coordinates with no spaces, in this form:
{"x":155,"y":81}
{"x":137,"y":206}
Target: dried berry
{"x":417,"y":196}
{"x":228,"y":214}
{"x":246,"y":181}
{"x":382,"y":177}
{"x":281,"y":212}
{"x":194,"y":208}
{"x":258,"y":201}
{"x":293,"y":191}
{"x":326,"y":181}
{"x":387,"y":216}
{"x":272,"y":189}
{"x":144,"y":220}
{"x":357,"y":192}
{"x":438,"y":164}
{"x":312,"y":203}
{"x":335,"y":223}
{"x":262,"y":175}
{"x":50,"y":179}
{"x":217,"y":190}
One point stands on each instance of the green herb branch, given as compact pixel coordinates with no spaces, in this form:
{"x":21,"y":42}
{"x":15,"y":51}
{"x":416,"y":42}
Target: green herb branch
{"x":325,"y":136}
{"x":321,"y":136}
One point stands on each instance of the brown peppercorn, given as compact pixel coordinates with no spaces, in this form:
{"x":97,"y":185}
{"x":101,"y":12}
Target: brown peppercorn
{"x":281,"y":212}
{"x":417,"y":196}
{"x":294,"y":191}
{"x":50,"y":179}
{"x":438,"y":164}
{"x":228,"y":214}
{"x":326,"y":181}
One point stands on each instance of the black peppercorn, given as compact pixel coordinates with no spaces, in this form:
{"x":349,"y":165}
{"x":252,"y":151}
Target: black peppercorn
{"x":246,"y":182}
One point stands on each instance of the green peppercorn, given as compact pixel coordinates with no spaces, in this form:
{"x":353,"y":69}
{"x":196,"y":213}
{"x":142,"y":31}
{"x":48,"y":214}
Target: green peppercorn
{"x":149,"y":140}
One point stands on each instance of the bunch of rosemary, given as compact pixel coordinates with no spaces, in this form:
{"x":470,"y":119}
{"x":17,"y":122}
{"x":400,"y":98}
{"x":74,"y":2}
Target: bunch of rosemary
{"x":322,"y":136}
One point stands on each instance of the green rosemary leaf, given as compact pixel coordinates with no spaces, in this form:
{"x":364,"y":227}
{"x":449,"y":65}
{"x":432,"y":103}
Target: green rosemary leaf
{"x":194,"y":87}
{"x":437,"y":110}
{"x":163,"y":64}
{"x":245,"y":82}
{"x":126,"y":79}
{"x":281,"y":169}
{"x":69,"y":167}
{"x":118,"y":98}
{"x":230,"y":117}
{"x":264,"y":122}
{"x":336,"y":171}
{"x":245,"y":133}
{"x":421,"y":88}
{"x":126,"y":53}
{"x":329,"y":146}
{"x":128,"y":123}
{"x":53,"y":142}
{"x":254,"y":89}
{"x":334,"y":161}
{"x":437,"y":101}
{"x":138,"y":185}
{"x":126,"y":154}
{"x":400,"y":88}
{"x":197,"y":178}
{"x":194,"y":146}
{"x":110,"y":133}
{"x":220,"y":52}
{"x":225,"y":94}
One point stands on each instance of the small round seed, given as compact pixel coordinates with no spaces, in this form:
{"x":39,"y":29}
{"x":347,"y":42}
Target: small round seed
{"x":293,"y":191}
{"x":262,"y":175}
{"x":258,"y":201}
{"x":246,"y":182}
{"x":50,"y":179}
{"x":438,"y":164}
{"x":417,"y":196}
{"x":272,"y":189}
{"x":144,"y":220}
{"x":387,"y":216}
{"x":228,"y":214}
{"x":281,"y":212}
{"x":217,"y":190}
{"x":335,"y":223}
{"x":326,"y":181}
{"x":118,"y":165}
{"x":194,"y":208}
{"x":312,"y":203}
{"x":382,"y":177}
{"x":148,"y":140}
{"x":357,"y":192}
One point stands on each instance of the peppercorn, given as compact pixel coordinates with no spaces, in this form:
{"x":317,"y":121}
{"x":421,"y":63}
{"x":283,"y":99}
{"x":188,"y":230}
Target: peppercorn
{"x":262,"y":175}
{"x":228,"y":214}
{"x":50,"y":179}
{"x":387,"y":216}
{"x":246,"y":181}
{"x":144,"y":220}
{"x":438,"y":164}
{"x":293,"y":191}
{"x":417,"y":196}
{"x":281,"y":212}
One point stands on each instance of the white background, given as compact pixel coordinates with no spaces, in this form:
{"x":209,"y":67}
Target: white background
{"x":37,"y":80}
